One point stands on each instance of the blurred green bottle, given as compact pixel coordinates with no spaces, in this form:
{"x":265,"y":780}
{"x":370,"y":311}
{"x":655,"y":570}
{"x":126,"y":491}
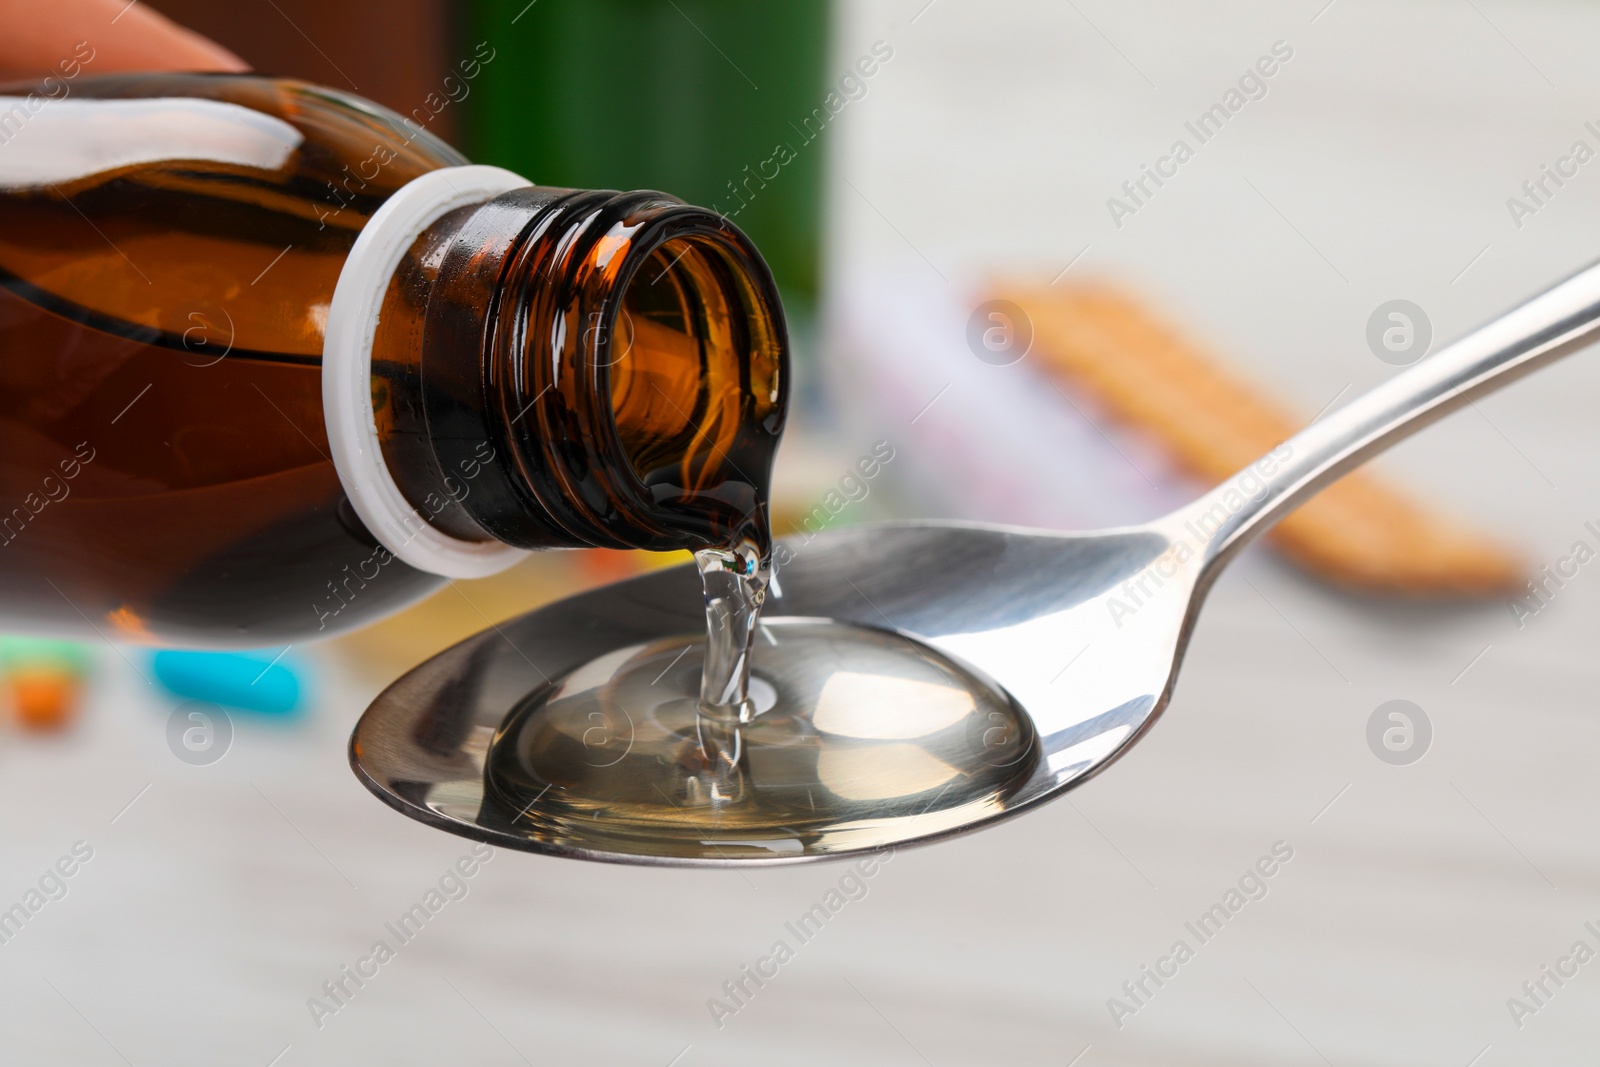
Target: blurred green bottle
{"x":677,"y":95}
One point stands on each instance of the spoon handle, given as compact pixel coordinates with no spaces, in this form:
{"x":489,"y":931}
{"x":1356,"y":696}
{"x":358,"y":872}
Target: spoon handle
{"x":1559,"y":321}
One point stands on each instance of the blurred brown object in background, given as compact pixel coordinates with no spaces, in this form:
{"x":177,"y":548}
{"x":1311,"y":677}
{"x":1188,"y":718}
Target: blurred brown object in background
{"x":394,"y":53}
{"x":1359,"y":532}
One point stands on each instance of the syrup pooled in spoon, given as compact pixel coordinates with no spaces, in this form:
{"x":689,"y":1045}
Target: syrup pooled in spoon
{"x":762,"y":738}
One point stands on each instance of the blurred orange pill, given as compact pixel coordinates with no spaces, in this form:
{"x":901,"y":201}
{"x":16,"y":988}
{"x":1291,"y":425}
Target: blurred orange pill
{"x":43,"y":681}
{"x":44,"y":699}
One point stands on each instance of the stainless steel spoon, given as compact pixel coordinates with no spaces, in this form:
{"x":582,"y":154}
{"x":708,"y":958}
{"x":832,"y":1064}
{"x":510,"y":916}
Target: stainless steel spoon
{"x":1014,"y":607}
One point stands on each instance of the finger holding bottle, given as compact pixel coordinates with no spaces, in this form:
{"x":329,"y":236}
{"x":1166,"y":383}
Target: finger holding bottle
{"x":124,"y":36}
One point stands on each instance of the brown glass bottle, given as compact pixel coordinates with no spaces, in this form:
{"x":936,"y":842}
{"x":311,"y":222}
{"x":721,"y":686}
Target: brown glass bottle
{"x":550,"y":367}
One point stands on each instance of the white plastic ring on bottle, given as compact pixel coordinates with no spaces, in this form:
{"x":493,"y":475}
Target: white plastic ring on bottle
{"x":347,"y":372}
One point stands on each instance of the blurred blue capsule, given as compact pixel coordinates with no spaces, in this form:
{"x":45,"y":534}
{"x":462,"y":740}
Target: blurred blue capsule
{"x":264,"y":682}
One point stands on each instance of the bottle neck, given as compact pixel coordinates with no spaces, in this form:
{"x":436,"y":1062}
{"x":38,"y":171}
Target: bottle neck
{"x":570,"y":368}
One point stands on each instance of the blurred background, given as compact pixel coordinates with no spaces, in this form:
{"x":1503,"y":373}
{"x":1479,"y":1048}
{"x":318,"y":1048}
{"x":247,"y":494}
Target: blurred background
{"x":996,"y":261}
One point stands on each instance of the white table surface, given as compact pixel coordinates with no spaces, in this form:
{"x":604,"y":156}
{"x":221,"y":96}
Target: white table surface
{"x":1414,"y":906}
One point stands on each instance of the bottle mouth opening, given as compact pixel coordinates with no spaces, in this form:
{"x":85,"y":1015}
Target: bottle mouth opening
{"x":647,"y":350}
{"x":692,"y":361}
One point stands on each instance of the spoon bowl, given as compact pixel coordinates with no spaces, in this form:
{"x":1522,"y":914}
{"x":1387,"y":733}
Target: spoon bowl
{"x":1027,"y":616}
{"x":1042,"y":657}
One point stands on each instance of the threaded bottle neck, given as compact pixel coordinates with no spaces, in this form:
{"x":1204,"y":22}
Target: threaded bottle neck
{"x":594,"y":368}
